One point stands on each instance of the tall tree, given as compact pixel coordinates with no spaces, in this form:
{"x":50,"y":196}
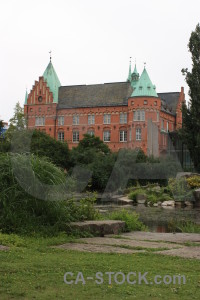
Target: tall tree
{"x":18,"y":121}
{"x":191,"y":114}
{"x":1,"y":126}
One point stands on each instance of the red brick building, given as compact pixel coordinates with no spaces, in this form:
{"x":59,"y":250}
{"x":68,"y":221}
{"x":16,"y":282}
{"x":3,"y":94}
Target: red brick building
{"x":123,"y":114}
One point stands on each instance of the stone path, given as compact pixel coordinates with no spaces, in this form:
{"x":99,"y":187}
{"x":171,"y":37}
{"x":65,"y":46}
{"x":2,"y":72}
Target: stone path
{"x":185,"y":245}
{"x":3,"y":248}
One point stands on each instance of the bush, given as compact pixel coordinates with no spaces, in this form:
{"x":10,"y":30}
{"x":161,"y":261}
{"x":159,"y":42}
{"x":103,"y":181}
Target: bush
{"x":152,"y":198}
{"x":130,"y":218}
{"x":180,"y":189}
{"x":87,"y":210}
{"x":186,"y":226}
{"x":194,"y":181}
{"x":133,"y":195}
{"x":22,"y":212}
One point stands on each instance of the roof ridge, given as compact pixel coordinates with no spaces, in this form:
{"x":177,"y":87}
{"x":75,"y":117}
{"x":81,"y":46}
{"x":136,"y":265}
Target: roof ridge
{"x":168,"y":92}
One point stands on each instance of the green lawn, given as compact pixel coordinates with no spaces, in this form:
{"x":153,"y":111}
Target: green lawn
{"x":33,"y":270}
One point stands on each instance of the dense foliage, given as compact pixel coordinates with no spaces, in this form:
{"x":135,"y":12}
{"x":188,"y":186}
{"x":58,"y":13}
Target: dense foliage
{"x":93,"y":155}
{"x":38,"y":143}
{"x":190,"y":132}
{"x":131,"y":219}
{"x":21,"y":211}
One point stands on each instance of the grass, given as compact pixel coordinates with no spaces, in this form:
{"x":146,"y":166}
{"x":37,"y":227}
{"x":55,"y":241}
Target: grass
{"x":130,"y":218}
{"x":186,"y":226}
{"x":34,"y":270}
{"x":189,"y":227}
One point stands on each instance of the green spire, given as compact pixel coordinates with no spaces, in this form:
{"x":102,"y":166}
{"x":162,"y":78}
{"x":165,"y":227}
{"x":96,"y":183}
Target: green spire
{"x":135,"y":70}
{"x":52,"y":80}
{"x":134,"y":77}
{"x":144,"y":87}
{"x":26,"y":97}
{"x":129,"y":73}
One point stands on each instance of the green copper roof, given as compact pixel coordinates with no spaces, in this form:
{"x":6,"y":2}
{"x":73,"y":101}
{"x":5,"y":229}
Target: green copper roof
{"x":134,"y":77}
{"x":144,"y":86}
{"x":26,"y":97}
{"x":135,"y":70}
{"x":129,"y":73}
{"x":52,"y":80}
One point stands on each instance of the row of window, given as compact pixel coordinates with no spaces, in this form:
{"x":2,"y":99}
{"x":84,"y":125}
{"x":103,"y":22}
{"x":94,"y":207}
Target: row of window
{"x":106,"y":135}
{"x":139,"y":115}
{"x":91,"y":119}
{"x":167,"y":126}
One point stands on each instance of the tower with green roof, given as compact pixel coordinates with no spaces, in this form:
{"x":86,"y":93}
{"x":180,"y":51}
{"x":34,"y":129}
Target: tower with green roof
{"x":52,"y":80}
{"x":129,"y":72}
{"x":26,"y":97}
{"x":134,"y":77}
{"x":144,"y":86}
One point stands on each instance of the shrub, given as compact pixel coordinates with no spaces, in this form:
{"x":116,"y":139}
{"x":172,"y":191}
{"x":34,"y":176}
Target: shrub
{"x":87,"y":210}
{"x":193,"y":181}
{"x":133,"y":195}
{"x":188,"y":226}
{"x":180,"y":189}
{"x":183,"y":226}
{"x":22,"y":212}
{"x":130,"y":218}
{"x":152,"y":198}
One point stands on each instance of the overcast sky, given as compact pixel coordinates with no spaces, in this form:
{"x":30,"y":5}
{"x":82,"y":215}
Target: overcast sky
{"x":91,"y":42}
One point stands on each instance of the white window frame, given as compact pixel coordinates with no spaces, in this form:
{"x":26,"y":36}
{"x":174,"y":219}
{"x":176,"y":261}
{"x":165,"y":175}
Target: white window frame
{"x":75,"y":136}
{"x":162,"y":124}
{"x":91,"y":119}
{"x":39,"y":121}
{"x":123,"y":118}
{"x":130,"y":135}
{"x":61,"y":120}
{"x":106,"y":136}
{"x":106,"y":118}
{"x":61,"y":136}
{"x":75,"y":120}
{"x":139,"y":115}
{"x":138,"y":134}
{"x":90,"y":132}
{"x":123,"y":136}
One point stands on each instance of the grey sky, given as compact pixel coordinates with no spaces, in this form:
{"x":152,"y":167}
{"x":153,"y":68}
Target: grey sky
{"x":91,"y":42}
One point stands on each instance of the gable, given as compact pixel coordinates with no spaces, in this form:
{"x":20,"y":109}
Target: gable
{"x":40,"y":93}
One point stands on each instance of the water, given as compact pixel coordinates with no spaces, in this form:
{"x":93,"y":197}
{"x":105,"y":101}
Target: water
{"x":158,"y":219}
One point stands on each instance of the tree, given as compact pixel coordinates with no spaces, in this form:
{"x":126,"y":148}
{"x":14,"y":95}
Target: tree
{"x":17,"y":122}
{"x":93,"y":155}
{"x":190,"y":132}
{"x":45,"y":146}
{"x":1,"y":126}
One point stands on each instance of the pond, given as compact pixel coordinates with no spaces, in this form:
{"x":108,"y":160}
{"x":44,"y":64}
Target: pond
{"x":158,"y":219}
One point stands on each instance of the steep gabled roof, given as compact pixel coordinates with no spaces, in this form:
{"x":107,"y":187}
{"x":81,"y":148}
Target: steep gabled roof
{"x":144,"y":86}
{"x":107,"y":94}
{"x":169,"y":101}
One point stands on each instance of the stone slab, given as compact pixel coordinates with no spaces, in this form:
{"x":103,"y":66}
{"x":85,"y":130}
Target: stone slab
{"x":99,"y":227}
